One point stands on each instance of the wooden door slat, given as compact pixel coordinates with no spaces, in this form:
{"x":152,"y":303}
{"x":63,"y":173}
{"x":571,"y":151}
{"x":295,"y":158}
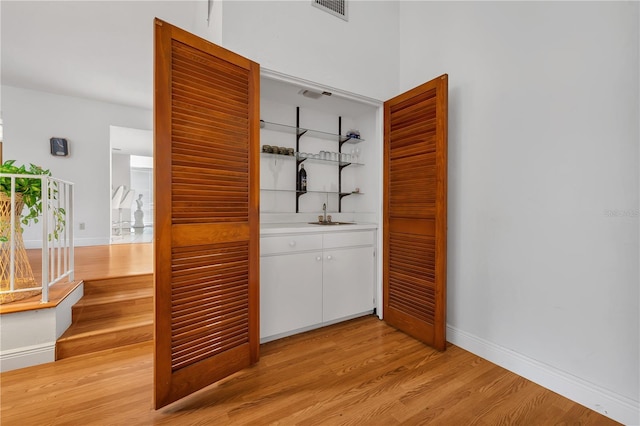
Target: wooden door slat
{"x":206,"y":120}
{"x":415,"y":195}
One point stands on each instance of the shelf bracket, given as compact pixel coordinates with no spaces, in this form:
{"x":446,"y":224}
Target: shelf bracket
{"x":298,"y":160}
{"x":343,"y":140}
{"x":340,"y":142}
{"x":340,"y":197}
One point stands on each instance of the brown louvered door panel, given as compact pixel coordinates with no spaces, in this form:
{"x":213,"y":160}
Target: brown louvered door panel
{"x":206,"y":123}
{"x":415,"y":212}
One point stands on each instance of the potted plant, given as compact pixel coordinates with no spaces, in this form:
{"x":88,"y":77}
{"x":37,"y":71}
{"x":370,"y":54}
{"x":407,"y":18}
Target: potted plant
{"x":29,"y":192}
{"x":28,"y":198}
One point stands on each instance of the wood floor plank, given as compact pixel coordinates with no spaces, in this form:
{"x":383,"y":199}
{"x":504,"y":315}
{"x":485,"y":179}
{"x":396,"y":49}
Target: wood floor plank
{"x":105,"y":261}
{"x":353,"y":373}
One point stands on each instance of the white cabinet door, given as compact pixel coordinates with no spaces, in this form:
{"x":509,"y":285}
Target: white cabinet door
{"x":348,"y":282}
{"x":290,"y":293}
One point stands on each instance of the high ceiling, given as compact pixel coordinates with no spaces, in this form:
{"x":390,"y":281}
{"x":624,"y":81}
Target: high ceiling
{"x":100,"y":50}
{"x":103,"y":50}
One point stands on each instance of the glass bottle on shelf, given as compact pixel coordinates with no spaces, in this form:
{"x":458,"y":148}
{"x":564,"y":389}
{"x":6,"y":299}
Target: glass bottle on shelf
{"x":302,"y":179}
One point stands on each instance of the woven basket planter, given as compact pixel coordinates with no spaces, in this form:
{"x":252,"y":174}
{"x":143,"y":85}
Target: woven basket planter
{"x":23,"y":274}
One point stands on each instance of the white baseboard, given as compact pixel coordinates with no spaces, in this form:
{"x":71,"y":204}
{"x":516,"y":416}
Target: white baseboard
{"x":605,"y":402}
{"x":27,"y":356}
{"x":288,"y":333}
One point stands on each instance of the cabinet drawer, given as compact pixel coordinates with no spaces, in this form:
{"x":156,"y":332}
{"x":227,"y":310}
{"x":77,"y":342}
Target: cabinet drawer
{"x":289,"y":244}
{"x":348,"y":239}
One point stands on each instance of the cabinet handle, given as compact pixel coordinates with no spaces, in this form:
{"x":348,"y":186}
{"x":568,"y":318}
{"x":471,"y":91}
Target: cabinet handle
{"x":329,"y":257}
{"x":318,"y":258}
{"x":292,"y":243}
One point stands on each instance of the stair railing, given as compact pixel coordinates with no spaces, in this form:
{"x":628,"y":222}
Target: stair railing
{"x":56,"y":219}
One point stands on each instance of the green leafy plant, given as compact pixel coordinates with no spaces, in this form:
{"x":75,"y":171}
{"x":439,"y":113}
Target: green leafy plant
{"x":31,"y":190}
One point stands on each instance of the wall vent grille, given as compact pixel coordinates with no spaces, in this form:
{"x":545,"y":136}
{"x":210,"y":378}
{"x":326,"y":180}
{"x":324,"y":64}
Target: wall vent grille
{"x":335,"y":7}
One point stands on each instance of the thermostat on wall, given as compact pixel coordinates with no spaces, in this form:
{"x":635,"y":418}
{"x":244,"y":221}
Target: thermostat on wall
{"x":59,"y":146}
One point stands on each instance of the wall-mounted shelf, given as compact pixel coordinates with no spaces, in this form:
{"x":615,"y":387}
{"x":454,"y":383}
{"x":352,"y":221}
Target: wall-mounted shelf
{"x":341,"y":194}
{"x":299,"y":131}
{"x":311,"y":160}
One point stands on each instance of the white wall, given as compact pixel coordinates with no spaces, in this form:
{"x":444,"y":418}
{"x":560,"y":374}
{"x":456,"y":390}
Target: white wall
{"x":32,"y":117}
{"x":120,"y":171}
{"x":120,"y":176}
{"x":92,"y":49}
{"x":295,"y":38}
{"x":543,"y":226}
{"x":543,"y":184}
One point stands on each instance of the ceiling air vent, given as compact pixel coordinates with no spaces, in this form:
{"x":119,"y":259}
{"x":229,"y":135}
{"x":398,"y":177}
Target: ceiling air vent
{"x":334,"y":7}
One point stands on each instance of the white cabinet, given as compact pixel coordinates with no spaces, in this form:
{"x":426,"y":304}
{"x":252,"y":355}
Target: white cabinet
{"x":290,"y":292}
{"x":310,"y":280}
{"x":290,"y":283}
{"x":347,"y":276}
{"x":347,"y":272}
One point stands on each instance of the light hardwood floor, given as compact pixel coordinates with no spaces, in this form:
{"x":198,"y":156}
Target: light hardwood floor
{"x":361,"y":372}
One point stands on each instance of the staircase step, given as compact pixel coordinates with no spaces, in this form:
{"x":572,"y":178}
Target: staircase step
{"x":118,"y":304}
{"x":104,"y":333}
{"x":113,"y":312}
{"x":118,"y":284}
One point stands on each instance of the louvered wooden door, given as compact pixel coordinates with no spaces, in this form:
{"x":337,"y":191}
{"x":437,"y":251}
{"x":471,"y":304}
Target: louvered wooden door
{"x":206,"y":123}
{"x":415,"y":212}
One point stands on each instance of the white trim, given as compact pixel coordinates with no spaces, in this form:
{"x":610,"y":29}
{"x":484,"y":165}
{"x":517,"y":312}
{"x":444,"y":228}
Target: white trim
{"x":380,"y":248}
{"x":267,"y":339}
{"x":310,"y":85}
{"x":27,"y":356}
{"x":605,"y":402}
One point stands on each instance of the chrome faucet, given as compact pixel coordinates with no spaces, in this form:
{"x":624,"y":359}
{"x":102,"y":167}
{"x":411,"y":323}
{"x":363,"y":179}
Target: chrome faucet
{"x":324,"y":212}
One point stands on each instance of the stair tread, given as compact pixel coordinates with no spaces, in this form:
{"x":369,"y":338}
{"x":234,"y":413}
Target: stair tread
{"x":106,"y":325}
{"x":123,"y":295}
{"x":118,"y":284}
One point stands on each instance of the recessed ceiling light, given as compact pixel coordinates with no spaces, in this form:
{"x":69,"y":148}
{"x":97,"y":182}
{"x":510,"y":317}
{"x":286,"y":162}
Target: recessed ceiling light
{"x":312,"y":94}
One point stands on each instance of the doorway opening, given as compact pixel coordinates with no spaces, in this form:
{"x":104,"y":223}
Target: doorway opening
{"x":132,"y":197}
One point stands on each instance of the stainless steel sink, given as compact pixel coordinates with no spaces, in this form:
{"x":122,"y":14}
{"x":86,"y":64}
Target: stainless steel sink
{"x":332,"y":223}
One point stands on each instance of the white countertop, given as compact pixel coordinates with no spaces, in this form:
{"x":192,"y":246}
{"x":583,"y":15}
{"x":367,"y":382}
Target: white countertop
{"x":303,"y":227}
